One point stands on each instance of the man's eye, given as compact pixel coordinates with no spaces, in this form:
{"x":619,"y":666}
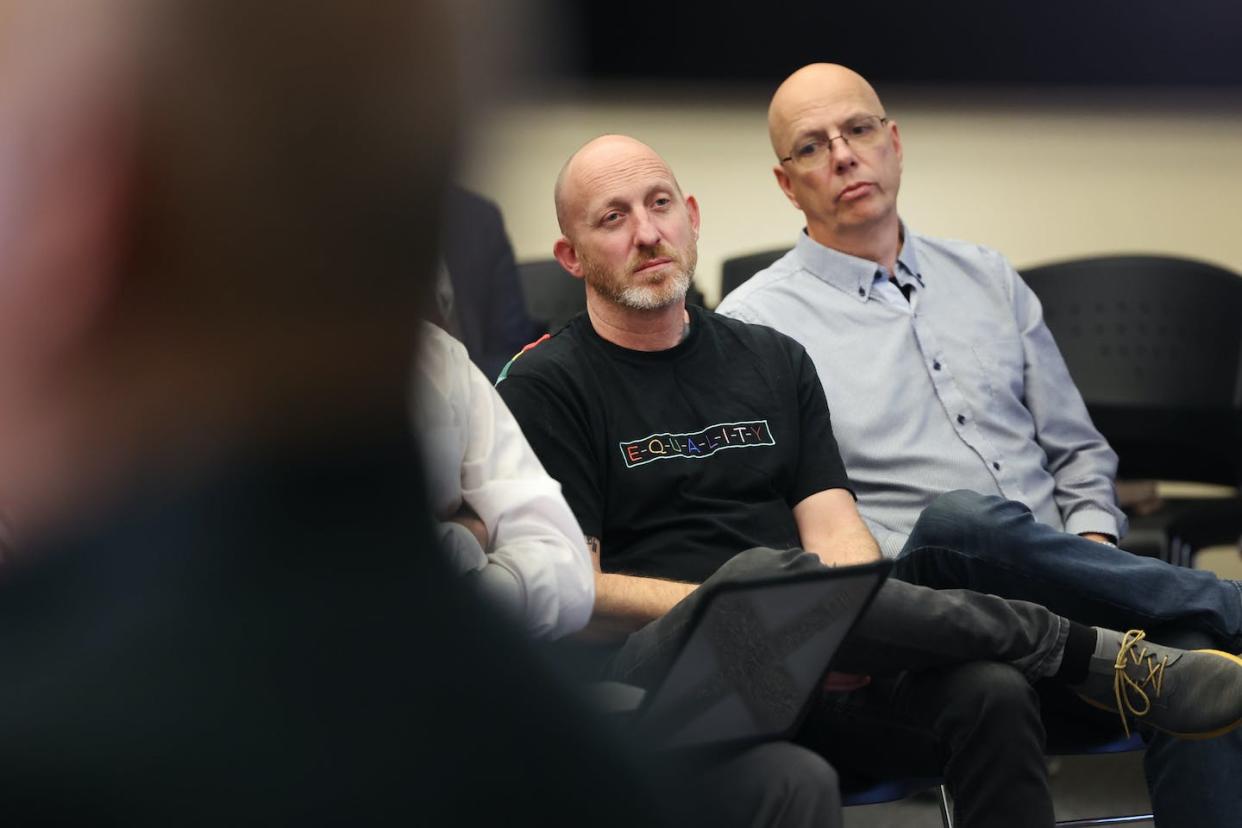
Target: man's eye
{"x":861,"y":129}
{"x":663,"y":201}
{"x":612,"y":218}
{"x":809,"y":148}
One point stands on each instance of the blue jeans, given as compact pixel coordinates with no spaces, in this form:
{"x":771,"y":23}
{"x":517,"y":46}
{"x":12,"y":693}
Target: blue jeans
{"x":987,"y":544}
{"x":965,"y":540}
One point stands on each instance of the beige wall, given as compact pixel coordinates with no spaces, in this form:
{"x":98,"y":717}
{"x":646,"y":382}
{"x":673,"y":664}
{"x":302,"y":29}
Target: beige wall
{"x":1038,"y":176}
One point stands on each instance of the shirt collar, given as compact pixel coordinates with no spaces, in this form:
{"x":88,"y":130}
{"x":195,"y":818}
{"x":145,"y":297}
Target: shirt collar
{"x":908,"y":259}
{"x":851,"y":274}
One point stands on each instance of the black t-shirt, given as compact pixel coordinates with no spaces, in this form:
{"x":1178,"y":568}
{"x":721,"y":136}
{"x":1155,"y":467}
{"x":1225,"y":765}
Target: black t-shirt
{"x":677,"y":460}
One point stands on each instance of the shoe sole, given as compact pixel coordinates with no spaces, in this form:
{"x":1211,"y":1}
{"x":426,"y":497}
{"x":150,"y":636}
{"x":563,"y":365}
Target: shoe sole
{"x":1189,"y":737}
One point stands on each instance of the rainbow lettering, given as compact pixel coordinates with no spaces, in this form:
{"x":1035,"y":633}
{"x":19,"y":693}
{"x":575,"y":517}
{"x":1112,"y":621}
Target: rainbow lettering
{"x":697,"y":444}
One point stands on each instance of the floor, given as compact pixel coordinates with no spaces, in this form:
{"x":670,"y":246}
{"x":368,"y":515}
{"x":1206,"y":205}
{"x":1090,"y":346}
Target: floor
{"x":1082,"y":786}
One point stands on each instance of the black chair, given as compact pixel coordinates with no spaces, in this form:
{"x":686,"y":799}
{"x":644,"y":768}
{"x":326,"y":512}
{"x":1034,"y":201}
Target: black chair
{"x":553,"y":296}
{"x":694,"y":296}
{"x":740,"y":268}
{"x":1155,"y":346}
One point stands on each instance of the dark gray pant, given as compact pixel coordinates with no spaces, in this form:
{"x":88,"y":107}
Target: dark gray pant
{"x":950,"y":695}
{"x":775,"y":785}
{"x":983,"y":542}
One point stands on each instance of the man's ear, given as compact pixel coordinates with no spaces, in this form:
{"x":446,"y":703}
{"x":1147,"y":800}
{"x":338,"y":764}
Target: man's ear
{"x":67,"y":216}
{"x":782,"y":179}
{"x":567,"y":255}
{"x":692,"y":207}
{"x":892,"y":126}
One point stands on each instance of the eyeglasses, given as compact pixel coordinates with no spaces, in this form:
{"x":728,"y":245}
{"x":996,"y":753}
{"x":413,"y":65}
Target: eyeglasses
{"x":859,"y":133}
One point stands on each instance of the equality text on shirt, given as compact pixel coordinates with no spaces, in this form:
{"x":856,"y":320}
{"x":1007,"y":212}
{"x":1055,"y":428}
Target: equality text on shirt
{"x":698,"y":444}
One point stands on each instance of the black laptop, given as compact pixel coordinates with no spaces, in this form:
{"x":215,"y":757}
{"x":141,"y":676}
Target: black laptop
{"x":755,"y":656}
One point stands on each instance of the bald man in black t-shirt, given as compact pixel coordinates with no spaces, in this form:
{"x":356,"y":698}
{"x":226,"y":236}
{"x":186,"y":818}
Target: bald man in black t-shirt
{"x":694,"y":449}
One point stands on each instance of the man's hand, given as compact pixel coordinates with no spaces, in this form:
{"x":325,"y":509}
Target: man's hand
{"x":469,"y":519}
{"x":1098,"y":538}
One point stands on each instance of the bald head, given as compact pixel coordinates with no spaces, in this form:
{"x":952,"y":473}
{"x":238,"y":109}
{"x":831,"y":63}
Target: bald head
{"x":596,"y":160}
{"x":626,"y":227}
{"x":213,"y":213}
{"x":812,"y":86}
{"x":847,"y":171}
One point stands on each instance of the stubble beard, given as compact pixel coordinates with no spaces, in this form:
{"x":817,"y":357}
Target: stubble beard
{"x":620,"y":290}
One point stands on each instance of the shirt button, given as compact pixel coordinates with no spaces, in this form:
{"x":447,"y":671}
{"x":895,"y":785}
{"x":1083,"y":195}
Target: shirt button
{"x":996,"y":466}
{"x":935,"y":366}
{"x":961,"y":419}
{"x":862,"y":292}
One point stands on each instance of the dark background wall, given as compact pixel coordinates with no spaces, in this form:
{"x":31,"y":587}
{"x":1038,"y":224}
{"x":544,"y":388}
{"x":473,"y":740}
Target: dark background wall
{"x":1057,"y":42}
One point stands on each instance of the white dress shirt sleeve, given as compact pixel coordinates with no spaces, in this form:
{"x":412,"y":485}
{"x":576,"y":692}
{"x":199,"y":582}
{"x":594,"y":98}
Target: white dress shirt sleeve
{"x":537,"y":565}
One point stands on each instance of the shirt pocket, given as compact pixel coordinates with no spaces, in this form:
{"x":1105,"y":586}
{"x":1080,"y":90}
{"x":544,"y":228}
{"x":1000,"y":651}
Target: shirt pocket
{"x":1003,"y":370}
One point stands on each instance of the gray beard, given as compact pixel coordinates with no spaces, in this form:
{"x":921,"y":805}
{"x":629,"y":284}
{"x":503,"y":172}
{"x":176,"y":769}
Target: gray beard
{"x":647,"y":297}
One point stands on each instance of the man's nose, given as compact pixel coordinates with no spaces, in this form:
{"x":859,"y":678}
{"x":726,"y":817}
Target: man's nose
{"x":842,"y":155}
{"x":646,"y":234}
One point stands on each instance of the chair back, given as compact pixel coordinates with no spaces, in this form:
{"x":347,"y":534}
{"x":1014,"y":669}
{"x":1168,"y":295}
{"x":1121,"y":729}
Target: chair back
{"x":553,"y":296}
{"x":740,"y":268}
{"x":1155,"y":346}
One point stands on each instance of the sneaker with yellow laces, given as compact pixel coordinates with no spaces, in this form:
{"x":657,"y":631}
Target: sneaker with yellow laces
{"x":1190,"y":694}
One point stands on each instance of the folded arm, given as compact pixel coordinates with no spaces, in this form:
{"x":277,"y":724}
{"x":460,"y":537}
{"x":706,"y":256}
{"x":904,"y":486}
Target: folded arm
{"x":536,"y":564}
{"x":829,"y":527}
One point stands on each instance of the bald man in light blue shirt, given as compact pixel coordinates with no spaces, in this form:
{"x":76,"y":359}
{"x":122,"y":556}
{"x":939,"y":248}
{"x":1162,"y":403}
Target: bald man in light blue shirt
{"x":958,"y":386}
{"x":951,"y":402}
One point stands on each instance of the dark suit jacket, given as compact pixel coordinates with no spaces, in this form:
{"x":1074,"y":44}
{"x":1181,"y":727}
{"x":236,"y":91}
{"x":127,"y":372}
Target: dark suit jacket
{"x":491,"y":314}
{"x":277,"y":642}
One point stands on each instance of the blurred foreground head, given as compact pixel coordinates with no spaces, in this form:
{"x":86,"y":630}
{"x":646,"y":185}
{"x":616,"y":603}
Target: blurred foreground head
{"x":213,"y":217}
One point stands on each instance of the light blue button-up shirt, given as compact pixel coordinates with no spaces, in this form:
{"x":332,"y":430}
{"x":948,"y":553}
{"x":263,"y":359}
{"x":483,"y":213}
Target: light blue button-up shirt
{"x":961,"y":387}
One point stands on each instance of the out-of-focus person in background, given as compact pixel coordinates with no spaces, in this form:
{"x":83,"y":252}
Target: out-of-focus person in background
{"x":966,"y":390}
{"x":479,"y":296}
{"x":227,"y":604}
